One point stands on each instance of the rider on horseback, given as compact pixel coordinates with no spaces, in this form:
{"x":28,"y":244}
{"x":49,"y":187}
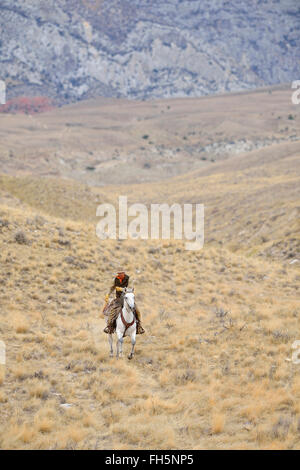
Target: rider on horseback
{"x":113,"y":308}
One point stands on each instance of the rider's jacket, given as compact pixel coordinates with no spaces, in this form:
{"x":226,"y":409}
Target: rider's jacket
{"x":120,"y":281}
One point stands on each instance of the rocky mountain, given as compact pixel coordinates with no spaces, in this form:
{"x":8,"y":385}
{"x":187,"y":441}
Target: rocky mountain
{"x":76,"y":49}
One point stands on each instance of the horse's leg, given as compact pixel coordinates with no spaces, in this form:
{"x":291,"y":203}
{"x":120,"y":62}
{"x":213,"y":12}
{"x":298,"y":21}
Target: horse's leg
{"x":121,"y":346}
{"x":119,"y":343}
{"x":110,"y":341}
{"x":117,"y":354}
{"x":133,"y":341}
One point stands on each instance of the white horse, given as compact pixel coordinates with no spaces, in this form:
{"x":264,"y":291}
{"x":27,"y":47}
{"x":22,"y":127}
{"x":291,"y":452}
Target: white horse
{"x":125,"y":325}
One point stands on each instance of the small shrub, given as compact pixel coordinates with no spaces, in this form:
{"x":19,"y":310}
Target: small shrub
{"x":21,"y":238}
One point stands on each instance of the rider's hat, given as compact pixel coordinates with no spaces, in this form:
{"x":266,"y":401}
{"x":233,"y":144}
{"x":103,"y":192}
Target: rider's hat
{"x":120,"y":271}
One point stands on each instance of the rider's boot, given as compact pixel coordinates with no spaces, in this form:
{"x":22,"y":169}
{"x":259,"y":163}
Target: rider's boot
{"x":109,"y":329}
{"x":139,"y":329}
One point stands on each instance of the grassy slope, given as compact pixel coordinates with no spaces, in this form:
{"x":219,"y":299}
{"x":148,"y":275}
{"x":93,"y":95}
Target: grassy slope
{"x":201,"y":378}
{"x":108,"y":135}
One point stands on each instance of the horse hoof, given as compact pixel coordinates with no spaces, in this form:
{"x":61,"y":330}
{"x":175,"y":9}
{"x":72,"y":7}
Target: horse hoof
{"x":130,"y":356}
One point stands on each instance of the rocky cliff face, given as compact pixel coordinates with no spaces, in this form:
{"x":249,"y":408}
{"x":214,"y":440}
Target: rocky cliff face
{"x":76,"y":49}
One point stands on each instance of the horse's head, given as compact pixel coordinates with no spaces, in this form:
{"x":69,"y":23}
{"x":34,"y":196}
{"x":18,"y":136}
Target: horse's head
{"x":129,"y":297}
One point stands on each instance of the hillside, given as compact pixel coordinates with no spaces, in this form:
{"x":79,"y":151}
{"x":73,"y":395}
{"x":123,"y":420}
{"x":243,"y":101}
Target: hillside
{"x":214,"y":369}
{"x":108,"y":141}
{"x":79,"y":49}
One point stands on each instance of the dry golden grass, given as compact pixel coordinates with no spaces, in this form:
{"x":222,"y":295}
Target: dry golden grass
{"x":104,"y":141}
{"x":213,"y":369}
{"x":199,"y":379}
{"x":218,"y":422}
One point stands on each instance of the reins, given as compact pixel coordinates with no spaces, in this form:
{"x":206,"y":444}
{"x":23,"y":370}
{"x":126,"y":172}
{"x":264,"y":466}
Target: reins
{"x":125,"y":323}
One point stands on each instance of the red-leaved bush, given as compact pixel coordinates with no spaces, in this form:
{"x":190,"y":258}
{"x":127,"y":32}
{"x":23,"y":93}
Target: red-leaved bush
{"x":27,"y":105}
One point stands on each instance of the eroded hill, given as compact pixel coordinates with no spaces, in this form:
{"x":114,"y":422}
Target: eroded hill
{"x":78,"y":49}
